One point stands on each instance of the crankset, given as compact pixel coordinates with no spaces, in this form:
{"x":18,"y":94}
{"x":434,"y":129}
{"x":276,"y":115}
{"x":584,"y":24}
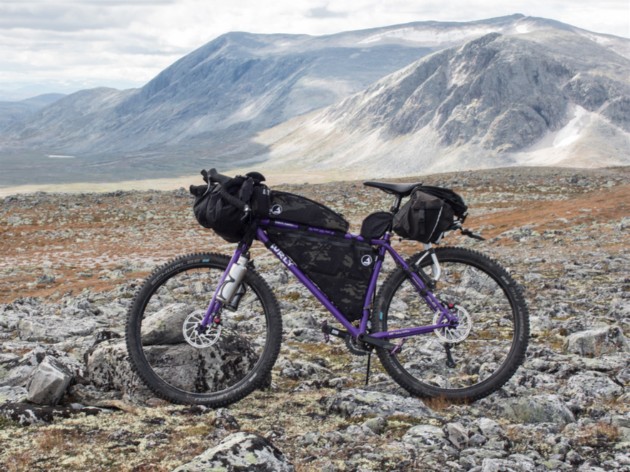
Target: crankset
{"x":358,"y":348}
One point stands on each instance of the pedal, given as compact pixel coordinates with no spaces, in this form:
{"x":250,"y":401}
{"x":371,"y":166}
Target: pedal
{"x":397,"y":348}
{"x":329,"y":331}
{"x":325,"y":331}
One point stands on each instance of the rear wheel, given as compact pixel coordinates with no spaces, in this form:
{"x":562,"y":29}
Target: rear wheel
{"x":214,"y":368}
{"x":467,"y":362}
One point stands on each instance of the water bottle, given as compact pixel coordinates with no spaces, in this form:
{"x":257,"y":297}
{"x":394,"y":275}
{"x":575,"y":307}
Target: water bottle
{"x":233,"y":280}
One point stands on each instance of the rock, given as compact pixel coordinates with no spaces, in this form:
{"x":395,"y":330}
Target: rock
{"x":165,"y":326}
{"x":501,"y":465}
{"x":27,"y":414}
{"x":12,"y":394}
{"x":537,"y":409}
{"x":489,"y":428}
{"x":457,"y":435}
{"x":108,"y":368}
{"x":425,"y":436}
{"x":586,"y":386}
{"x":182,"y":365}
{"x":376,"y":425}
{"x":597,"y":342}
{"x":298,"y":369}
{"x":48,"y":383}
{"x":358,"y":402}
{"x":240,"y":452}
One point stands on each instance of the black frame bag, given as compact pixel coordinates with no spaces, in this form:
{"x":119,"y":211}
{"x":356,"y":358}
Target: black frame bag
{"x":341,"y":268}
{"x":301,"y":210}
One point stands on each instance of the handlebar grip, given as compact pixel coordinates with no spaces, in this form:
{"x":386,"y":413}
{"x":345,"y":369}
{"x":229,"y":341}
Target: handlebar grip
{"x":220,"y":178}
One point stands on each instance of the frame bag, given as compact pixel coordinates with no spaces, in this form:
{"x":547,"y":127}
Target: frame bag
{"x":341,"y":268}
{"x":301,"y":210}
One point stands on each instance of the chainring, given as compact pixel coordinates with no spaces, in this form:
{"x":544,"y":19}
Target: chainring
{"x":192,"y":335}
{"x":358,"y":348}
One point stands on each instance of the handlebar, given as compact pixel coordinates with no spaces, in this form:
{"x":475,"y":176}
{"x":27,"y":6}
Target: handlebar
{"x":213,"y":176}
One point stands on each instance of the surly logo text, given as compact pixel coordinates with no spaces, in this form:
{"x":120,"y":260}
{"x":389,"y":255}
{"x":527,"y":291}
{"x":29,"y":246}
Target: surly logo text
{"x":282,"y":256}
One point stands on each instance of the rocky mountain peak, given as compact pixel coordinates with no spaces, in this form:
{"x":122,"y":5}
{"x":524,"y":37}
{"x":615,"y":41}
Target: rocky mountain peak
{"x":493,"y":101}
{"x":502,"y":85}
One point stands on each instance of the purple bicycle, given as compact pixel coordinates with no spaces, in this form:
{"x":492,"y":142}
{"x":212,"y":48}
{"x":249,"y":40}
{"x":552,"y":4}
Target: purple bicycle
{"x":447,"y":322}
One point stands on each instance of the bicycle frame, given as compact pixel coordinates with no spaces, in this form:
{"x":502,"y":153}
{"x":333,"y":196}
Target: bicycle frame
{"x":446,"y":318}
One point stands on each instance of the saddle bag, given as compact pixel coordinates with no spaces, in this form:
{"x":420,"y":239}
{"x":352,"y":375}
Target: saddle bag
{"x":428,"y":213}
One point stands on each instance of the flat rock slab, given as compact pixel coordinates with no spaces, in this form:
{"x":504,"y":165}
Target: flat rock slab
{"x":240,"y":452}
{"x":357,"y":402}
{"x":28,"y":414}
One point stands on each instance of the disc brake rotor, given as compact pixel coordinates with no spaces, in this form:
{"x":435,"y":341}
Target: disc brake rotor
{"x":190,"y":329}
{"x":455,"y":334}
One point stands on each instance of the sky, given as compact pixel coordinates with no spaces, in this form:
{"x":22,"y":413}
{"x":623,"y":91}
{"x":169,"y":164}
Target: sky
{"x":68,"y":45}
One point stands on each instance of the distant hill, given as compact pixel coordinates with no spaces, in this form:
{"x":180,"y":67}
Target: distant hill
{"x":209,"y":107}
{"x":13,"y":112}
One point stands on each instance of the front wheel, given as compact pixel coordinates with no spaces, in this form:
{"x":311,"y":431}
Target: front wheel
{"x":476,"y":358}
{"x":213,"y":368}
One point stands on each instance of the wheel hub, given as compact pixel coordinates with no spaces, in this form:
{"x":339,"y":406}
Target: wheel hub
{"x":457,"y":333}
{"x":200,"y":338}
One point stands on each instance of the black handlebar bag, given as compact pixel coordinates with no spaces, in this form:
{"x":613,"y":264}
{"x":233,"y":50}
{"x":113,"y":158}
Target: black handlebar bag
{"x":226,"y":207}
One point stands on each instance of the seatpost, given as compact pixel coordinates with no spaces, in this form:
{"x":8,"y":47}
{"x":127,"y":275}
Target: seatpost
{"x":396,"y":206}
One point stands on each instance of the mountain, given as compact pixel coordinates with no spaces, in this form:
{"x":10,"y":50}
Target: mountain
{"x":549,"y":97}
{"x":13,"y":112}
{"x":208,"y":107}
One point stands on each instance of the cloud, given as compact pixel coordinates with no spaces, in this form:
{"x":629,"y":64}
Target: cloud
{"x":324,"y":12}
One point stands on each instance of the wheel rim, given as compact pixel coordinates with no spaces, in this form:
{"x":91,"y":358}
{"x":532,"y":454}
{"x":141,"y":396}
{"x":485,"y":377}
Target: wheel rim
{"x":487,"y":346}
{"x":206,"y":364}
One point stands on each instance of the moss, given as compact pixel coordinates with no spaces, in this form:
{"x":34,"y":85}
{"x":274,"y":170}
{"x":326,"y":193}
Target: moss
{"x":6,"y":423}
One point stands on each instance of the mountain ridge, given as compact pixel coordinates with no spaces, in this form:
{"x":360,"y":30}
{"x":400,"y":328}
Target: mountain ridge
{"x":484,"y":104}
{"x":207,"y":107}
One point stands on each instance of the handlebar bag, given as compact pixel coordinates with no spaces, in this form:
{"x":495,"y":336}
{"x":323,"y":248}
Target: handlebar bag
{"x":221,"y":207}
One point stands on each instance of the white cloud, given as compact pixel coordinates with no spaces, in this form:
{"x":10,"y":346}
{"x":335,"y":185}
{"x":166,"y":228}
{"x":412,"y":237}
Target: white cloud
{"x":123,"y":43}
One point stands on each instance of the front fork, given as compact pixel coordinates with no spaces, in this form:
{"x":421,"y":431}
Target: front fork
{"x":436,"y":269}
{"x":230,"y":276}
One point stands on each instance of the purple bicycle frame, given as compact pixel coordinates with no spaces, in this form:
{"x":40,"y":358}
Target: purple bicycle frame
{"x":383,"y":246}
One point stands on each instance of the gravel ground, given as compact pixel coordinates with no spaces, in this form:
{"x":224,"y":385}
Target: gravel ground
{"x":71,"y":264}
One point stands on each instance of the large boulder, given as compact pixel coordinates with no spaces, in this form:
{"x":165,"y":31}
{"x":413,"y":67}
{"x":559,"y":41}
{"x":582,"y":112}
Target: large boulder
{"x":240,"y":452}
{"x":48,"y":383}
{"x":597,"y":342}
{"x":182,"y":365}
